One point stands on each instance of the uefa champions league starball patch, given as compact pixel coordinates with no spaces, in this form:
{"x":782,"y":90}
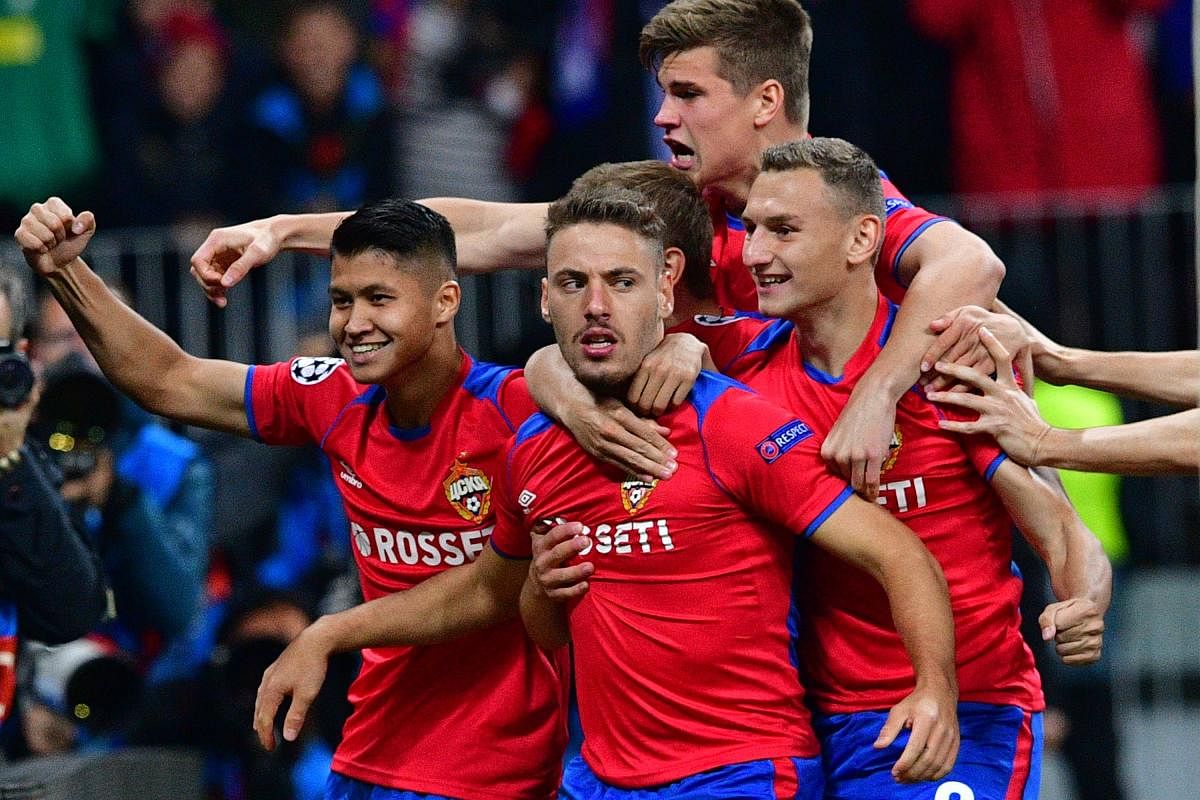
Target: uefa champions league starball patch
{"x":469,"y":491}
{"x":311,"y":370}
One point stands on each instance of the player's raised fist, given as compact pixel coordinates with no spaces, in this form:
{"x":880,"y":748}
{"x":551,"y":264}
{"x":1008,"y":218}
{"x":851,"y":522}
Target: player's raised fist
{"x":51,"y":235}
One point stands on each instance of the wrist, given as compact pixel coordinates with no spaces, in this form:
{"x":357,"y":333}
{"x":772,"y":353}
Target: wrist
{"x":1049,"y":447}
{"x":1053,"y":364}
{"x":326,"y":634}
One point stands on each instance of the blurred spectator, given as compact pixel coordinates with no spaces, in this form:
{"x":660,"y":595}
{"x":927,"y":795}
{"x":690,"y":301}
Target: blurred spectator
{"x":86,"y":695}
{"x":1047,"y":96}
{"x":50,"y":583}
{"x":322,"y":137}
{"x":48,"y":136}
{"x":180,"y":169}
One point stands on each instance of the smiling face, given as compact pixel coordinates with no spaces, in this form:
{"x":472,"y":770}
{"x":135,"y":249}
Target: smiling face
{"x":606,"y":295}
{"x":708,"y":125}
{"x":383,"y":317}
{"x":798,"y":241}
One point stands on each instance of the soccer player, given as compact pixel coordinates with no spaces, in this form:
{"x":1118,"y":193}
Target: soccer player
{"x":814,"y":220}
{"x":735,"y":73}
{"x":683,"y":640}
{"x":415,"y":432}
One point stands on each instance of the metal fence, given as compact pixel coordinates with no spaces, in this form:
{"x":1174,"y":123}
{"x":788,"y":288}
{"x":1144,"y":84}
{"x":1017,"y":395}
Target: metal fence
{"x":1111,"y":278}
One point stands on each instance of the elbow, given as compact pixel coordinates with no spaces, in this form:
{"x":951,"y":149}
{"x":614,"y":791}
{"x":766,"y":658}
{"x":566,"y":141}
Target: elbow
{"x":989,"y":270}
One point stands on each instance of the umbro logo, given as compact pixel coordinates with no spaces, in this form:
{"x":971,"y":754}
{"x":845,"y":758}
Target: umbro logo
{"x":347,"y":474}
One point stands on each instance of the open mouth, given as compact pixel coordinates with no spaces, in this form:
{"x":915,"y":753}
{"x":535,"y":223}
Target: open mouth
{"x":772,"y":280}
{"x":682,"y":156}
{"x":598,"y":343}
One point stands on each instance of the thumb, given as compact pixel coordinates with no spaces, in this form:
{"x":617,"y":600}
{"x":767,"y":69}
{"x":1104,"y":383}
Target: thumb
{"x":85,"y":223}
{"x":895,"y":722}
{"x":238,"y":269}
{"x":1048,"y":621}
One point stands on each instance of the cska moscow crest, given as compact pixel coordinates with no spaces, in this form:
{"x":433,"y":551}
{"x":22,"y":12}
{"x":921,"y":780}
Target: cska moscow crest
{"x":893,"y":450}
{"x":635,"y":492}
{"x":469,"y":491}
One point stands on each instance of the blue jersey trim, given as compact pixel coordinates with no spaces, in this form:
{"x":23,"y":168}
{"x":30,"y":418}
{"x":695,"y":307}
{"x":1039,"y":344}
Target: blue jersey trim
{"x":995,"y":465}
{"x":795,"y":616}
{"x":819,"y":376}
{"x":248,"y":402}
{"x":734,"y":222}
{"x":484,"y":380}
{"x":531,"y":427}
{"x":505,"y":555}
{"x":882,"y":175}
{"x":708,"y":387}
{"x":912,"y":237}
{"x":777,"y":331}
{"x":887,"y":326}
{"x":409,"y":434}
{"x":833,"y":506}
{"x":373,"y":395}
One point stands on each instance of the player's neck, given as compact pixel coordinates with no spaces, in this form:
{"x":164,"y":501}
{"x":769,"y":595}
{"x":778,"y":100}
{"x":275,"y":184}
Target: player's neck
{"x":414,"y":393}
{"x":829,"y":333}
{"x":734,"y":190}
{"x":688,"y":306}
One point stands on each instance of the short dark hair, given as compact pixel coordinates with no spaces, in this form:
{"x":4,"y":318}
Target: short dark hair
{"x":847,"y":170}
{"x":419,"y":238}
{"x":610,"y":205}
{"x":756,"y":40}
{"x":676,"y":200}
{"x":12,"y":289}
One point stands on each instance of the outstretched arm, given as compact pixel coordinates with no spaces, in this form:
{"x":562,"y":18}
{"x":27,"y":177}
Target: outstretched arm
{"x":1161,"y":446}
{"x":488,"y":237}
{"x":948,"y":267}
{"x":1170,"y":377}
{"x":868,"y":537}
{"x":1079,"y":571}
{"x":450,"y":604}
{"x":139,"y":359}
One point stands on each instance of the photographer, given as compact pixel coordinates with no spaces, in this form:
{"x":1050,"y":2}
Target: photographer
{"x":51,"y":588}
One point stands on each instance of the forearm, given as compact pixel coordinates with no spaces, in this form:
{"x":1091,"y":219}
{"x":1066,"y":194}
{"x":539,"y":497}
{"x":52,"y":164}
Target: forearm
{"x":1172,"y":377}
{"x":920,"y":602}
{"x":443,"y":607}
{"x":940,"y":285}
{"x":545,"y":620}
{"x":553,"y":385}
{"x":1160,"y":446}
{"x":309,"y":233}
{"x":492,"y":236}
{"x":139,"y":359}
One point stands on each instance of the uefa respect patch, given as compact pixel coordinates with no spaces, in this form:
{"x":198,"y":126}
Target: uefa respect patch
{"x":782,"y":440}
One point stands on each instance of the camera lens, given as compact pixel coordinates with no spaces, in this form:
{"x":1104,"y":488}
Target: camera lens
{"x":16,"y":379}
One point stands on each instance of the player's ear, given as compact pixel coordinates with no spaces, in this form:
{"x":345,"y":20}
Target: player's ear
{"x":769,"y":100}
{"x":446,"y":301}
{"x":864,"y":240}
{"x":666,"y":294}
{"x":545,"y":300}
{"x":674,"y":263}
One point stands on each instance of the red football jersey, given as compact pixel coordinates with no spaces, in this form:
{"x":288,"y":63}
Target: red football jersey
{"x":934,"y":481}
{"x":734,"y":285}
{"x":484,"y":714}
{"x":684,"y":643}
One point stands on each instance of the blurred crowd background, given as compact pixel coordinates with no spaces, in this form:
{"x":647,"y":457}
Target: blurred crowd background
{"x":1061,"y":130}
